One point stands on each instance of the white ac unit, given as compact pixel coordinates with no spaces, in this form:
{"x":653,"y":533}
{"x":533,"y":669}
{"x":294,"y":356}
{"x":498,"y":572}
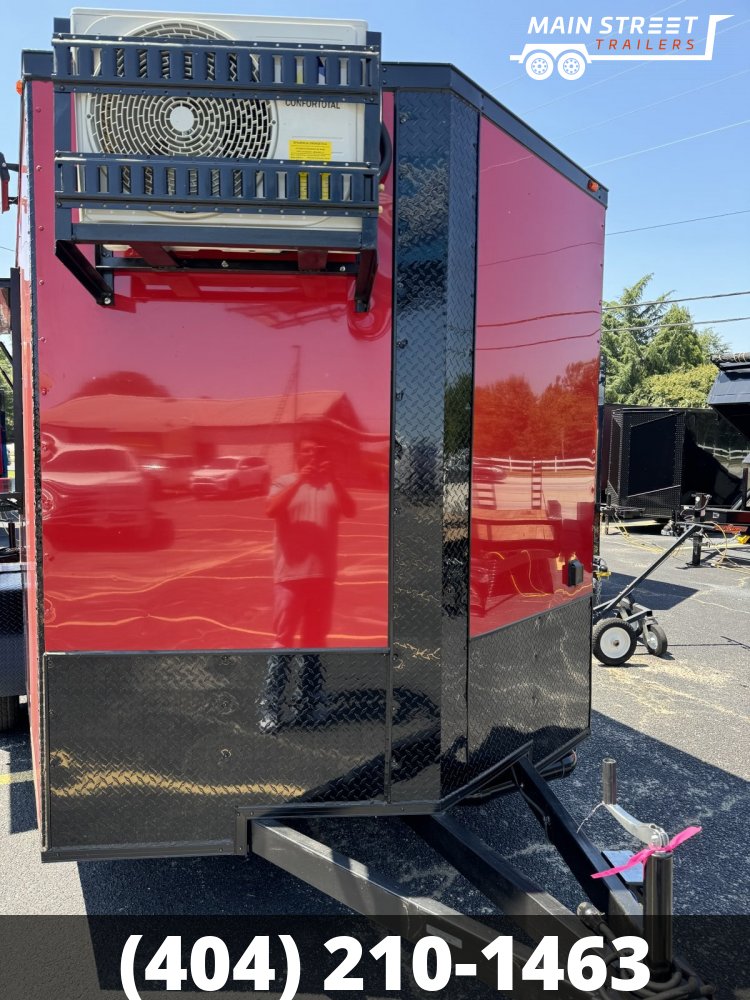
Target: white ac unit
{"x":242,"y":128}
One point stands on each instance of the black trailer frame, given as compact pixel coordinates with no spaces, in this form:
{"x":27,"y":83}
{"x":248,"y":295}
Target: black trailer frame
{"x":613,"y":909}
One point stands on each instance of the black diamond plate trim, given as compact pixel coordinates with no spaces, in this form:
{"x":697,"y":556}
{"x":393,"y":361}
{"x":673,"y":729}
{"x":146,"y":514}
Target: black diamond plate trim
{"x":530,"y":682}
{"x":435,"y":227}
{"x":646,"y":447}
{"x":12,"y":640}
{"x":162,"y":747}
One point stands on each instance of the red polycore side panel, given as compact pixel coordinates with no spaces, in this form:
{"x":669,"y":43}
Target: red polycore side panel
{"x":29,"y":554}
{"x":539,"y":280}
{"x":173,"y":427}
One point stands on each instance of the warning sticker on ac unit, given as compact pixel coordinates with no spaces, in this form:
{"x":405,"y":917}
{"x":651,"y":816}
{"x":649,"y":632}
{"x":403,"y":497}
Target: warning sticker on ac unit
{"x":310,"y":149}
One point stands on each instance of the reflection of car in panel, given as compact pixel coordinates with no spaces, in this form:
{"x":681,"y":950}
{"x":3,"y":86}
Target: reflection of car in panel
{"x":170,"y":473}
{"x":92,"y":486}
{"x":230,"y":473}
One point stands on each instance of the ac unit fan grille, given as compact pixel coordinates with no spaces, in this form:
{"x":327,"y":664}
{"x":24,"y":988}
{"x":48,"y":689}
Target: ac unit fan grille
{"x":171,"y":125}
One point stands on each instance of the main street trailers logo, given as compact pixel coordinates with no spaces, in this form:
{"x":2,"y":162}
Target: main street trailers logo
{"x":627,"y":38}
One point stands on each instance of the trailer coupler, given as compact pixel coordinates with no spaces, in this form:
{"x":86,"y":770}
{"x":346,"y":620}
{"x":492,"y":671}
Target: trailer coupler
{"x":612,"y":911}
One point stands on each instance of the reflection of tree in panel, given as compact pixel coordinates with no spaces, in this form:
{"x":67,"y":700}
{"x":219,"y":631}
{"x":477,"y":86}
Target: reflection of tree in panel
{"x":563,"y":428}
{"x":507,"y":409}
{"x":518,"y":423}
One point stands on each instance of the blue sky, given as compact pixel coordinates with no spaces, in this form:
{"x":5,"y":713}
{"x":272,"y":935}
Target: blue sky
{"x":614,"y":110}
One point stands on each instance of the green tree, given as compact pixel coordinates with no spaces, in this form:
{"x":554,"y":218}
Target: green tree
{"x":712,"y":343}
{"x":645,"y":338}
{"x":675,"y":345}
{"x":680,"y":388}
{"x":628,"y":325}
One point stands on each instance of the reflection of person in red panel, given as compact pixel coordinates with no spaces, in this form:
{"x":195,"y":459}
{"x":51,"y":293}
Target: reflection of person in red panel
{"x":306,"y":507}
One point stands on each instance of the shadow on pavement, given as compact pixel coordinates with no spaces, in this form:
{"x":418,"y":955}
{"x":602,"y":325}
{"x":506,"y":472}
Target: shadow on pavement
{"x":655,"y":594}
{"x":16,"y":745}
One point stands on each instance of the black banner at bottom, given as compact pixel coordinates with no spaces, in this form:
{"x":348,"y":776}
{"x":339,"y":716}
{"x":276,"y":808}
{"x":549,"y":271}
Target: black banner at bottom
{"x":71,"y":958}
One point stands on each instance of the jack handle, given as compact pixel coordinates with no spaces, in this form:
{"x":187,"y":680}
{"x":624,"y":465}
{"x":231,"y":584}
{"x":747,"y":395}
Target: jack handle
{"x":657,"y":877}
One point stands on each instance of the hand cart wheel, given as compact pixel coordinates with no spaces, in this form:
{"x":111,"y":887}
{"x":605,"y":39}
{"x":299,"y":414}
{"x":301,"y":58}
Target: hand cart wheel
{"x":613,"y":641}
{"x":655,"y":638}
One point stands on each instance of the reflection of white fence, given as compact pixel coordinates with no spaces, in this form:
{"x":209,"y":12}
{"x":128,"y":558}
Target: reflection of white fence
{"x":523,"y":484}
{"x":729,"y":455}
{"x":546,"y":465}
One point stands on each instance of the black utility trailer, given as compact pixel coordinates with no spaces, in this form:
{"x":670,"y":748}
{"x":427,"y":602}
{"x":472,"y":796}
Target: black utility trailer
{"x":655,"y":459}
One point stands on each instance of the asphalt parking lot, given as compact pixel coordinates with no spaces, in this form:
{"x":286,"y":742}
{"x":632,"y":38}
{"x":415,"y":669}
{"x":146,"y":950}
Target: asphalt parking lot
{"x":678,"y":727}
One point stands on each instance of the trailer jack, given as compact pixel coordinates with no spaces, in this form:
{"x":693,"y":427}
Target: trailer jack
{"x":612,"y":910}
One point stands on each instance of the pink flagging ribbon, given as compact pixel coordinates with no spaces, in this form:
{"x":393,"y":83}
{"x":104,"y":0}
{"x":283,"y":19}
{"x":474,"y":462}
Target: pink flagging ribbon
{"x":641,"y":857}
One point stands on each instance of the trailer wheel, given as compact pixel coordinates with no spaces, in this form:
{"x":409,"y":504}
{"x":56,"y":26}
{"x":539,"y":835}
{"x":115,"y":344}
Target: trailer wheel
{"x":613,"y":641}
{"x":655,"y":638}
{"x":10,"y":713}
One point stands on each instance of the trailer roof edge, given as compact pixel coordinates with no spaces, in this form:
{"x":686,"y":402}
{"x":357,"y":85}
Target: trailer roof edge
{"x":38,"y":64}
{"x":445,"y":76}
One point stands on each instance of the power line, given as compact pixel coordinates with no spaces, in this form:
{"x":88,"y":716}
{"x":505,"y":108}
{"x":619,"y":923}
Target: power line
{"x":680,"y":222}
{"x":654,"y":104}
{"x":676,"y":326}
{"x":672,"y":142}
{"x":665,"y":302}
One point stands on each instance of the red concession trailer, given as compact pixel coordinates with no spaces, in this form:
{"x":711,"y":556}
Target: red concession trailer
{"x":310,"y":436}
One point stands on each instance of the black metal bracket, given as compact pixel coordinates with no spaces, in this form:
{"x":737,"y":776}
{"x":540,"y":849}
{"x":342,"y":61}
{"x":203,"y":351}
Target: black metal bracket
{"x":98,"y":277}
{"x":368,"y":265}
{"x":92,"y":279}
{"x":6,"y":199}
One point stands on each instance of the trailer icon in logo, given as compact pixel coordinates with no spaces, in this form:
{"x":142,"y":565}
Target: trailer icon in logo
{"x":540,"y":58}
